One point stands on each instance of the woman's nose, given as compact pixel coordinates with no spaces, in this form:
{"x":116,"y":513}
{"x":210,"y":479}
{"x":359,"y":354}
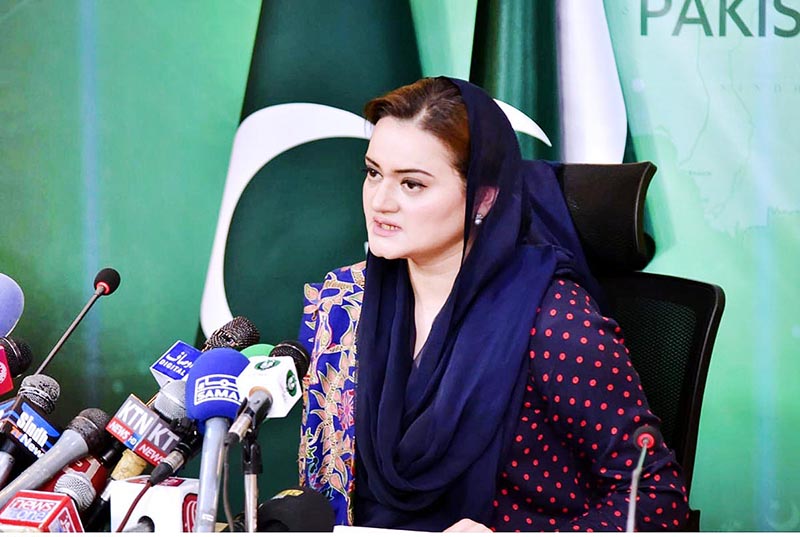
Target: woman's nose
{"x":383,"y":197}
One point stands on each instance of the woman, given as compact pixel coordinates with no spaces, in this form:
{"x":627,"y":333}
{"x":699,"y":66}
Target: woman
{"x":464,"y":377}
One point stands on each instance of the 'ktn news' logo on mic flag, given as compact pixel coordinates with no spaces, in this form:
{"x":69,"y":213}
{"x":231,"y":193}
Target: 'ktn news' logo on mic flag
{"x":141,"y":430}
{"x":217,"y":387}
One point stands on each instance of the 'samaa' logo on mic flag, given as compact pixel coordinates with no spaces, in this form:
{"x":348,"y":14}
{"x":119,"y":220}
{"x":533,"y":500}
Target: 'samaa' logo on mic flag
{"x":216,"y":388}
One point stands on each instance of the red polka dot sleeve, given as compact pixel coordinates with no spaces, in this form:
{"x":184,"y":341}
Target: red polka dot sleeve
{"x":572,"y":457}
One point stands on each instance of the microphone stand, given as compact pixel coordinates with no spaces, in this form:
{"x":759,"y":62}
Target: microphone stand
{"x":637,"y":472}
{"x":99,"y":291}
{"x":252,"y":466}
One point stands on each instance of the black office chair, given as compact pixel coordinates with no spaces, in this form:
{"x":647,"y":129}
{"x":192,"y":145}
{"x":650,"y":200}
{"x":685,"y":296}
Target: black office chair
{"x":669,"y":323}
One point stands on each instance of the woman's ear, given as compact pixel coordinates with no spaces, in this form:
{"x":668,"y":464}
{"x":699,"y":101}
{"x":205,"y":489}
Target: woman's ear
{"x":487,"y":196}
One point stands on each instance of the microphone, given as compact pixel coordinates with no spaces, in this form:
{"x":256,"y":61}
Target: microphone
{"x":12,"y":302}
{"x":82,"y":480}
{"x":645,"y":437}
{"x":105,"y":283}
{"x":80,"y":487}
{"x":295,"y":509}
{"x":185,"y":450}
{"x":237,"y":333}
{"x":84,"y":434}
{"x":15,"y":358}
{"x":272,"y":386}
{"x":213,"y":400}
{"x":26,"y":432}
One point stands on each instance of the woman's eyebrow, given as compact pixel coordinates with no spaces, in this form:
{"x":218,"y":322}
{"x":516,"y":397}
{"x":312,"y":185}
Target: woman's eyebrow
{"x":400,"y":171}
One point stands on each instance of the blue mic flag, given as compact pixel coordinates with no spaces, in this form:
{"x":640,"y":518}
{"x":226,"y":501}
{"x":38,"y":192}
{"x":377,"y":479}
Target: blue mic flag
{"x":211,"y":390}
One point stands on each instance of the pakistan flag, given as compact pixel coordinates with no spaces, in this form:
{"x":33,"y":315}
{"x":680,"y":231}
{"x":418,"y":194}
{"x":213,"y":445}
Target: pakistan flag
{"x":291,"y":209}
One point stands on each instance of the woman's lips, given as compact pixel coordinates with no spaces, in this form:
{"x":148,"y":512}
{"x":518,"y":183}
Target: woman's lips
{"x":384,"y":229}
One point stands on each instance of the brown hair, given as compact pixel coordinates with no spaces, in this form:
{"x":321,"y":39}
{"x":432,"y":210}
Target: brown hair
{"x":434,"y":105}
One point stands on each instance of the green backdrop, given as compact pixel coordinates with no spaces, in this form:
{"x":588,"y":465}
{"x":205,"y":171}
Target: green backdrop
{"x":116,"y":124}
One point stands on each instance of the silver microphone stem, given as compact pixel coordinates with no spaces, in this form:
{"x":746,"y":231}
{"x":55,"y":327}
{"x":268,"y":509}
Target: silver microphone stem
{"x":250,"y":502}
{"x":70,"y":446}
{"x":6,"y":464}
{"x":210,"y":471}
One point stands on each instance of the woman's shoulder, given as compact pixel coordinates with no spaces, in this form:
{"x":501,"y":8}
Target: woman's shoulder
{"x":338,"y":298}
{"x":567,"y":309}
{"x":342,"y":277}
{"x":345,"y":284}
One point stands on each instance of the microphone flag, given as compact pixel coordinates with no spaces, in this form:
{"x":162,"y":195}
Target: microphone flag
{"x":33,"y":510}
{"x":142,"y":431}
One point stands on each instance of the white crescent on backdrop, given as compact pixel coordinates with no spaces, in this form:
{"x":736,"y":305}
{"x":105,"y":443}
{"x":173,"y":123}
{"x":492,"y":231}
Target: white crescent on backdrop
{"x":789,"y":523}
{"x":261,"y":137}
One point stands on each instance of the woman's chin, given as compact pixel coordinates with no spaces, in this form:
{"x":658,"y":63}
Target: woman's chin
{"x":386,"y":253}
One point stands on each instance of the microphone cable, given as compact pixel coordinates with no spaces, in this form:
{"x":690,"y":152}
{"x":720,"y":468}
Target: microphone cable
{"x":135,"y":502}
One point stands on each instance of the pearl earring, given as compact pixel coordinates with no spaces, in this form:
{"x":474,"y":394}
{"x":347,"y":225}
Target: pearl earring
{"x":478,"y":219}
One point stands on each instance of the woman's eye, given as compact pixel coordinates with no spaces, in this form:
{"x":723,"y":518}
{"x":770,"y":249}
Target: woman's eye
{"x":413,"y":185}
{"x":371,"y":173}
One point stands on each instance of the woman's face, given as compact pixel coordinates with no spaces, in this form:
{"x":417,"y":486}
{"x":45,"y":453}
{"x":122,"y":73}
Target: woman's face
{"x":414,"y":200}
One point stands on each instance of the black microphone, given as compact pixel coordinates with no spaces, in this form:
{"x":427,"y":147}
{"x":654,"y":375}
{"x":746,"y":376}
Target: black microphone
{"x":105,"y":283}
{"x":237,"y":334}
{"x":84,"y":434}
{"x":18,"y":355}
{"x":15,"y":358}
{"x":188,"y":447}
{"x":645,"y":437}
{"x":26,"y":433}
{"x":294,"y":509}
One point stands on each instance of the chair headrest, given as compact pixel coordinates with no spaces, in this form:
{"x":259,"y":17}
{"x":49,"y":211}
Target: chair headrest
{"x":607,"y":206}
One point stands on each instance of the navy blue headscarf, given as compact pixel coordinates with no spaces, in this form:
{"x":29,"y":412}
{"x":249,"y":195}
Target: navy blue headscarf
{"x":431,"y":439}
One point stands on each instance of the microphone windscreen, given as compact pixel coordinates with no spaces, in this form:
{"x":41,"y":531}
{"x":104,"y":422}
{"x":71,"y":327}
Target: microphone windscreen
{"x":170,"y":400}
{"x":12,"y":302}
{"x":108,"y":279}
{"x":237,"y":333}
{"x":297,"y":351}
{"x":18,"y":354}
{"x":296,"y":509}
{"x":91,"y":425}
{"x":76,"y":486}
{"x":211,"y":390}
{"x":649,"y":433}
{"x":41,"y":390}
